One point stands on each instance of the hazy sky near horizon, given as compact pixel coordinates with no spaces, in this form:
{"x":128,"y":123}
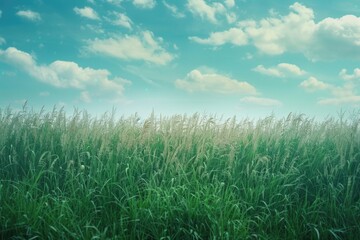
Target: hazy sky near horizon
{"x":231,"y":57}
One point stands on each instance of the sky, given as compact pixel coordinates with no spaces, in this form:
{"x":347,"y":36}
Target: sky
{"x":231,"y":57}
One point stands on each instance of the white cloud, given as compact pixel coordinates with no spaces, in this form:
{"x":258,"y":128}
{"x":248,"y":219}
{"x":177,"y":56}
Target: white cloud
{"x":336,"y":38}
{"x":87,"y":12}
{"x":174,"y":10}
{"x":64,"y":74}
{"x":276,"y":35}
{"x":281,"y":70}
{"x":122,"y":20}
{"x":230,"y":3}
{"x":206,"y":11}
{"x":349,"y":77}
{"x":231,"y":17}
{"x":144,"y":3}
{"x":331,"y":38}
{"x":345,"y":94}
{"x":29,"y":15}
{"x":288,"y":68}
{"x":233,"y":36}
{"x":313,"y":84}
{"x":142,"y":46}
{"x":266,"y":102}
{"x":2,"y":41}
{"x":212,"y":82}
{"x":212,"y":11}
{"x":268,"y":71}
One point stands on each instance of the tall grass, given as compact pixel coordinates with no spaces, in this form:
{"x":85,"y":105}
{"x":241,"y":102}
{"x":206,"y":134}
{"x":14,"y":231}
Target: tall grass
{"x":179,"y":177}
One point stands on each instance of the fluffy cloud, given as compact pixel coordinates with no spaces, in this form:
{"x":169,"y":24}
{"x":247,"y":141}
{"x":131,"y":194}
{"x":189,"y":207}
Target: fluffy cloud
{"x":174,"y":10}
{"x":266,"y":102}
{"x":276,"y":35}
{"x":230,"y":3}
{"x":345,"y":94}
{"x":212,"y":82}
{"x":211,"y":11}
{"x":63,"y":74}
{"x":233,"y":36}
{"x":205,"y":11}
{"x":122,"y":20}
{"x":142,"y":46}
{"x":281,"y":70}
{"x":313,"y":84}
{"x":356,"y":74}
{"x":87,"y":12}
{"x":144,"y":3}
{"x":336,"y":37}
{"x":331,"y":38}
{"x":29,"y":15}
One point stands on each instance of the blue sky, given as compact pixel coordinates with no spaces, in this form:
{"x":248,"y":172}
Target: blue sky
{"x":231,"y":57}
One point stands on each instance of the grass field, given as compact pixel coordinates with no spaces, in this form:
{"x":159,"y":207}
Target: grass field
{"x":179,"y":177}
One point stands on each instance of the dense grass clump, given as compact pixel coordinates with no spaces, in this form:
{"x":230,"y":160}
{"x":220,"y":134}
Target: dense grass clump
{"x":180,"y":177}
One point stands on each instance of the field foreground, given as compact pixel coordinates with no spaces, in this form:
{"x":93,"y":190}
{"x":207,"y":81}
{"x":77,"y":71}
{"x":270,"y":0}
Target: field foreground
{"x":181,"y":177}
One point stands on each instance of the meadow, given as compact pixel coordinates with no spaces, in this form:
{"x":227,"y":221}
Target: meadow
{"x":178,"y":177}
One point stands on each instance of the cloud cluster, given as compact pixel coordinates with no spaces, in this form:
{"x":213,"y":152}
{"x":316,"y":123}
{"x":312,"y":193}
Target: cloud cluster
{"x":212,"y":11}
{"x":64,"y":74}
{"x":196,"y":81}
{"x":345,"y":94}
{"x":331,"y":38}
{"x":143,"y":46}
{"x":29,"y":15}
{"x":87,"y":12}
{"x":281,"y":70}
